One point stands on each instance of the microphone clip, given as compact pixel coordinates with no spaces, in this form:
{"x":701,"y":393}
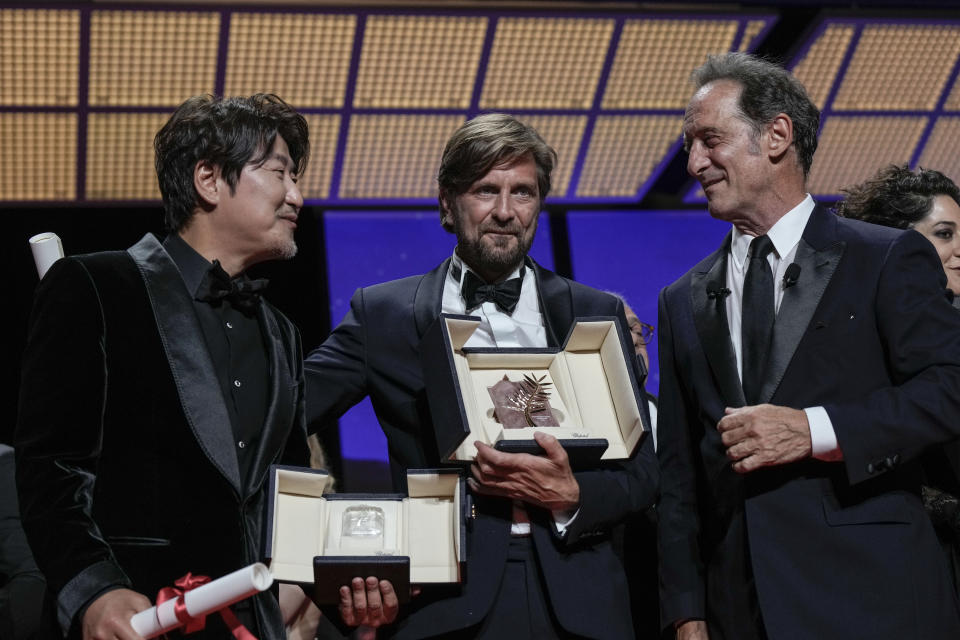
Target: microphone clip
{"x":718,"y":294}
{"x":791,"y":276}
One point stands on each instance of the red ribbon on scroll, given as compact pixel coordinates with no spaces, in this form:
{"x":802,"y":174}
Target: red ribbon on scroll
{"x":191,"y":624}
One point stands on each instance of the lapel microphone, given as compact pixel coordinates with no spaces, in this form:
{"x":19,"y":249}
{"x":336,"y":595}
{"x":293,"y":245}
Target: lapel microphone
{"x":721,"y":293}
{"x":791,"y":275}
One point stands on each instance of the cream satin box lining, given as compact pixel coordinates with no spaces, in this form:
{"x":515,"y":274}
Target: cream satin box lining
{"x":594,"y":392}
{"x":426,"y":525}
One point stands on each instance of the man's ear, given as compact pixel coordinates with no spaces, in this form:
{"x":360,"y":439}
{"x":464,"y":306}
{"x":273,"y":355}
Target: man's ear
{"x":206,"y":182}
{"x":446,"y":212}
{"x":779,"y":136}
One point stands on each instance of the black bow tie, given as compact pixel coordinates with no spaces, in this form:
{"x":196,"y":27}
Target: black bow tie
{"x":242,"y":292}
{"x":504,"y":294}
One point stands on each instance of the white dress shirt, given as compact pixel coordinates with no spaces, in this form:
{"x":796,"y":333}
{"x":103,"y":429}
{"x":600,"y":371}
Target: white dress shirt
{"x":525,"y":328}
{"x":785,"y":235}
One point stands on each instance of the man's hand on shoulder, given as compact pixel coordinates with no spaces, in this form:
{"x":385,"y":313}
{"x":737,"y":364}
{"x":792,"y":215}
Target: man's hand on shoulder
{"x":764,"y":435}
{"x":545,"y":481}
{"x":692,"y":630}
{"x":370,"y":602}
{"x":108,"y":617}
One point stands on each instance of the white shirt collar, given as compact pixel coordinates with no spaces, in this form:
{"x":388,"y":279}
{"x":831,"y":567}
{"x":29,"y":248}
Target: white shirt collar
{"x":785,"y":234}
{"x":523,"y":328}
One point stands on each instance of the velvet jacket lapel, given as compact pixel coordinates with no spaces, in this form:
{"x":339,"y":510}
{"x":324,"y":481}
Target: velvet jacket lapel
{"x":818,"y":255}
{"x":282,"y":402}
{"x":187,"y":354}
{"x":710,"y":318}
{"x":556,"y":305}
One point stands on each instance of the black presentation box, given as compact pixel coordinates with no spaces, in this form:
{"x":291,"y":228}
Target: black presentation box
{"x":594,"y":393}
{"x":312,"y":536}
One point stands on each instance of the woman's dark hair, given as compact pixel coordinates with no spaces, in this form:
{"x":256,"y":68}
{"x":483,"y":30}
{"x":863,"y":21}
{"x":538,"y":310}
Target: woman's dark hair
{"x":896,"y":196}
{"x":229,"y":133}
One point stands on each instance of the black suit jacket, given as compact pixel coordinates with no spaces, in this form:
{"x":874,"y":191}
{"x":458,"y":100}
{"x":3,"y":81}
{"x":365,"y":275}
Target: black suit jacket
{"x":375,"y":352}
{"x":126,"y":463}
{"x":837,"y":550}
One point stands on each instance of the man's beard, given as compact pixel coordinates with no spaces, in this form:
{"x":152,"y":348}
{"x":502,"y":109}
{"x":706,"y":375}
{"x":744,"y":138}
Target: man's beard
{"x":285,"y":250}
{"x":288,"y":251}
{"x":487,"y":259}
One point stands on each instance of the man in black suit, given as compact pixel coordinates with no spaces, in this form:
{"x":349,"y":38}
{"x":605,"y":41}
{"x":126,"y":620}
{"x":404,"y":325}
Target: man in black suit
{"x":158,"y":387}
{"x":540,"y":564}
{"x":804,"y":366}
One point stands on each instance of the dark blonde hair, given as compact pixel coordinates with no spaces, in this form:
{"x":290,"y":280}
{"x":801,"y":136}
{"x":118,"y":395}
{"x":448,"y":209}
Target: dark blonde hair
{"x":484,"y":142}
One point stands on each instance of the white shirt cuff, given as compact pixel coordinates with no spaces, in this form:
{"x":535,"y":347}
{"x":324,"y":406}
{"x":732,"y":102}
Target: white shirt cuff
{"x":823,"y":438}
{"x":563,"y":519}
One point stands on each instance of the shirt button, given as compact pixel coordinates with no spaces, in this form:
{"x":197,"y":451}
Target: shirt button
{"x":229,"y":325}
{"x":236,"y":383}
{"x":241,"y":444}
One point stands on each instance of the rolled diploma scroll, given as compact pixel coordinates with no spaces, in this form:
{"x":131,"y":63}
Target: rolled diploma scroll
{"x":47,"y":249}
{"x":204,"y":600}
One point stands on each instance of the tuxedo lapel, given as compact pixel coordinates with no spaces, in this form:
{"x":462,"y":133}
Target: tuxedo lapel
{"x":818,"y":255}
{"x":708,"y":291}
{"x":556,"y":303}
{"x":428,"y":299}
{"x":282,"y":400}
{"x":188,"y":357}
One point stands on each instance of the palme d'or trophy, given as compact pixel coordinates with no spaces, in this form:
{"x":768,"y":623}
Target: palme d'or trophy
{"x":517,"y":405}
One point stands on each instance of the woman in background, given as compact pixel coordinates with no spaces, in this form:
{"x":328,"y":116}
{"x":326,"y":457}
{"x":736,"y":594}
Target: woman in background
{"x":924,"y":200}
{"x":929,"y":202}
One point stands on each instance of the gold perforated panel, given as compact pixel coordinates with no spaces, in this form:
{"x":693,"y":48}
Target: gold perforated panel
{"x":120,"y":156}
{"x":419,"y":61}
{"x":39,"y":57}
{"x":564,"y":134}
{"x":899,"y":67}
{"x":751,"y":31}
{"x":155,"y":58}
{"x":395,"y":156}
{"x":940,"y":152}
{"x":653,"y":62}
{"x":853,"y":148}
{"x":545,"y":63}
{"x":953,"y":100}
{"x":303,"y":58}
{"x":624,"y":150}
{"x":315,"y":182}
{"x":818,"y":68}
{"x":38,"y":156}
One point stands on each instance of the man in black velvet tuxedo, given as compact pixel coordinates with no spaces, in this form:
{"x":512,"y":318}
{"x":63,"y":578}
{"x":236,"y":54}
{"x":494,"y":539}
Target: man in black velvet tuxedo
{"x":540,"y":564}
{"x":804,"y":366}
{"x":158,"y":387}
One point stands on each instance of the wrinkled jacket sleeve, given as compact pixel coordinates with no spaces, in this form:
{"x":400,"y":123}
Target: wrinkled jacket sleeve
{"x":58,"y":438}
{"x":335,"y":371}
{"x":919,"y":332}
